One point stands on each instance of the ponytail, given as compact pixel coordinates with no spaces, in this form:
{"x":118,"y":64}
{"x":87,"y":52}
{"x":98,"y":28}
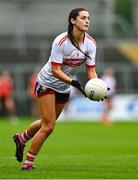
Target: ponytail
{"x":73,"y":14}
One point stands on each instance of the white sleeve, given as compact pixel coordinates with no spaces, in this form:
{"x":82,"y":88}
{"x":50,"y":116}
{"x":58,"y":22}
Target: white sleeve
{"x":56,"y":53}
{"x":91,"y":61}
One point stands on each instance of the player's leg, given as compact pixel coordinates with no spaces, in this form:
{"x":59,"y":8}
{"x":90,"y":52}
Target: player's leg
{"x":61,"y":100}
{"x":35,"y":126}
{"x":47,"y":125}
{"x":21,"y":138}
{"x":48,"y":118}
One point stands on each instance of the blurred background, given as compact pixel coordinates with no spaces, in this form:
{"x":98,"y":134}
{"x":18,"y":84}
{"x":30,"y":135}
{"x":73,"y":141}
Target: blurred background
{"x":27,"y":29}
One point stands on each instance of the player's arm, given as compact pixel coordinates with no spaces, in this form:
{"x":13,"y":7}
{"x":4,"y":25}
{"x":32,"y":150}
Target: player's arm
{"x":58,"y":73}
{"x":91,"y":72}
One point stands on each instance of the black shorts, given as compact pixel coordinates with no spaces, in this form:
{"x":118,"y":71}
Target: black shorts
{"x":42,"y":90}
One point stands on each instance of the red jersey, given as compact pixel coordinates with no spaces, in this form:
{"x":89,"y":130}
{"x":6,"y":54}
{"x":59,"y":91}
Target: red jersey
{"x":6,"y":87}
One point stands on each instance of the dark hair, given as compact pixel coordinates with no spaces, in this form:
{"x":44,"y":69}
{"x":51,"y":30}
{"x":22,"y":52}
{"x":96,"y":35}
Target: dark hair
{"x":73,"y":15}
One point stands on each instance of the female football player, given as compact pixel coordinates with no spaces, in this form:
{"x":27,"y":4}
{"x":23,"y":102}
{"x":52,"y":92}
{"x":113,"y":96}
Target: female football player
{"x":69,"y":50}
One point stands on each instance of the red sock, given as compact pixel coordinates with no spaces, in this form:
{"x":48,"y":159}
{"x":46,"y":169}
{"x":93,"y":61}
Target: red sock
{"x":30,"y":158}
{"x":26,"y":136}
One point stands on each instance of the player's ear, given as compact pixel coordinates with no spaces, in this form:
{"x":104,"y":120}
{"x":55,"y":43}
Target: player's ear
{"x":73,"y":21}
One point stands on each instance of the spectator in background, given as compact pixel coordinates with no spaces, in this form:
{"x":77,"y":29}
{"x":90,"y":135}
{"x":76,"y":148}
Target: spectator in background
{"x":31,"y":86}
{"x":6,"y":95}
{"x":109,"y":78}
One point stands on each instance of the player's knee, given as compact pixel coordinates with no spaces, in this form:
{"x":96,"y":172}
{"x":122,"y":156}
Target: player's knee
{"x":48,"y":128}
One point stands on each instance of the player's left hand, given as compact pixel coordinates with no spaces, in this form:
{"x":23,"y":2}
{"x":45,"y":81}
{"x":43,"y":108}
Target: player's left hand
{"x":108,"y":89}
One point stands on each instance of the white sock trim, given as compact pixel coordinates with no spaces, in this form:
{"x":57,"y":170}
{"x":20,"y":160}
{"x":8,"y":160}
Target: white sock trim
{"x":31,"y":155}
{"x":28,"y":162}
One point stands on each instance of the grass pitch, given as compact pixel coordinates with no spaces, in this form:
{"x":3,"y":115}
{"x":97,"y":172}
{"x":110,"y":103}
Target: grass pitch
{"x":75,"y":150}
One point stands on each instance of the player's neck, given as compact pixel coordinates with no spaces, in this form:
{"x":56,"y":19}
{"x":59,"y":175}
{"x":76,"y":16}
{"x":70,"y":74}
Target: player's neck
{"x":78,"y":36}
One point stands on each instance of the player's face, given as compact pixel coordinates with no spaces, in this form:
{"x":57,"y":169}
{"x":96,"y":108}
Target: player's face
{"x":82,"y":21}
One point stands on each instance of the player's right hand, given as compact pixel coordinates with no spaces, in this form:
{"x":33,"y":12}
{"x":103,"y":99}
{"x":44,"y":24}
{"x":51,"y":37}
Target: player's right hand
{"x":77,"y":85}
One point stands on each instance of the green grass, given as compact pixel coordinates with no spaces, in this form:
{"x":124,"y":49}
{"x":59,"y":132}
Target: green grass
{"x":75,"y":150}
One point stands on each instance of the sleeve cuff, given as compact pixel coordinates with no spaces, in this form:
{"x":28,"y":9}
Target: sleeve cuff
{"x":90,"y":66}
{"x":56,"y":63}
